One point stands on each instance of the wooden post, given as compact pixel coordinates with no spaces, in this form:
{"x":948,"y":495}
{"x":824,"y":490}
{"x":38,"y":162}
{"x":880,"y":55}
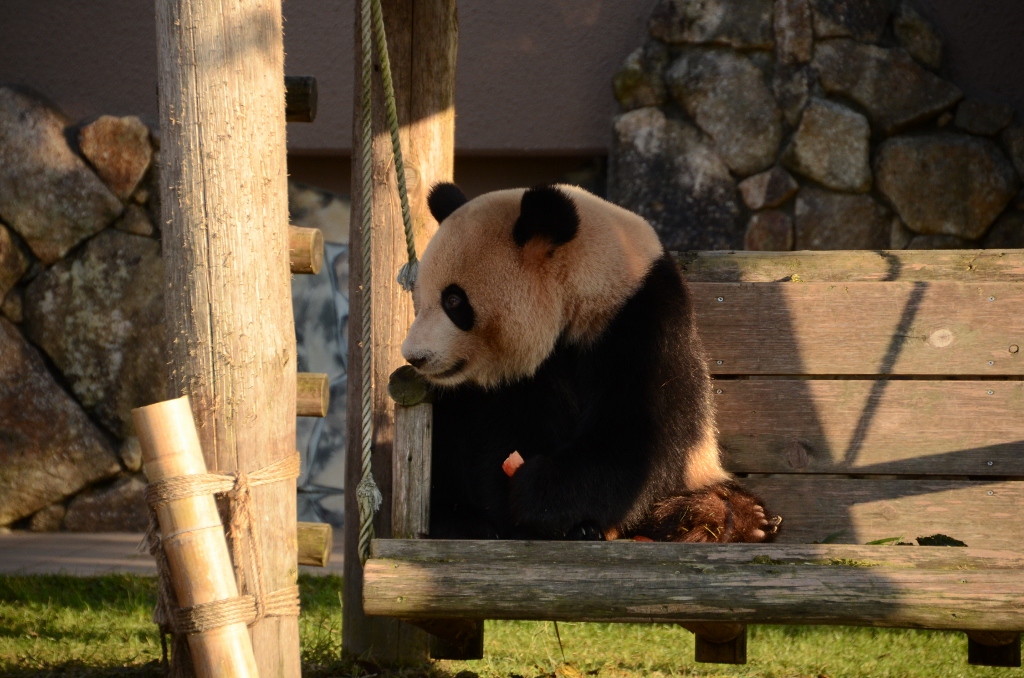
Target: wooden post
{"x":226,"y":262}
{"x":193,"y":538}
{"x":422,"y":38}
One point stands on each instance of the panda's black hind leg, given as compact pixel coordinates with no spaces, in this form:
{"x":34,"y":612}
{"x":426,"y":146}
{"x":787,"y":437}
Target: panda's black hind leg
{"x":721,"y":513}
{"x":585,"y":531}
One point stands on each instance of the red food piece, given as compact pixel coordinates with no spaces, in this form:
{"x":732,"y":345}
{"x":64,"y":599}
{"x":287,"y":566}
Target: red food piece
{"x":512,"y":464}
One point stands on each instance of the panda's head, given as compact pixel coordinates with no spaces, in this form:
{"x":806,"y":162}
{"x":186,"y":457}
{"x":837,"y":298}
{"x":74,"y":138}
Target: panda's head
{"x":511,"y":272}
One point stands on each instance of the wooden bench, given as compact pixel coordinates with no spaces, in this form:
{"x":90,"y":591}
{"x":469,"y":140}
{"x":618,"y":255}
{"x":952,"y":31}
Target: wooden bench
{"x":865,"y":395}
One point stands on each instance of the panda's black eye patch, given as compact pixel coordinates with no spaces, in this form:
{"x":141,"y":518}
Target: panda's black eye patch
{"x":456,"y":306}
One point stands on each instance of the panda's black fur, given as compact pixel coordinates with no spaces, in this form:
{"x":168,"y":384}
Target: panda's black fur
{"x":605,"y":429}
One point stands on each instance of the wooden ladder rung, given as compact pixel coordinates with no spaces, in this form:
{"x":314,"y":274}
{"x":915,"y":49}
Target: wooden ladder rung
{"x":314,"y":394}
{"x":305,"y":249}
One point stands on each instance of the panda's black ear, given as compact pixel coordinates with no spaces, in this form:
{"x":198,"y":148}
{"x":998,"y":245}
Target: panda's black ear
{"x":546,"y":212}
{"x":445,"y":199}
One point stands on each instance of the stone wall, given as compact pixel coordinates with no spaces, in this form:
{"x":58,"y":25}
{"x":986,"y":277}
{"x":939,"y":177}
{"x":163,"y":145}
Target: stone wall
{"x":810,"y":124}
{"x":81,"y":320}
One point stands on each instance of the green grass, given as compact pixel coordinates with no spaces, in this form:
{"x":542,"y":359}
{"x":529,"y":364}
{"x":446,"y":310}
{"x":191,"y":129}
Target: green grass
{"x":100,"y":626}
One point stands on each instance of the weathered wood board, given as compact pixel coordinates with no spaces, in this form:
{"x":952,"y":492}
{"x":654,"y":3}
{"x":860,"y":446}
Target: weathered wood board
{"x":923,"y":427}
{"x":938,"y":587}
{"x":853,"y":266}
{"x":981,"y":514}
{"x":922,"y":328}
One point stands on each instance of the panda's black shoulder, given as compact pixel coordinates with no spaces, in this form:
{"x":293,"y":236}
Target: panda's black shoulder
{"x":659,"y":310}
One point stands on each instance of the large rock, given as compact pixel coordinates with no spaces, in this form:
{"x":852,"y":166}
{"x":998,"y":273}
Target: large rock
{"x":793,"y":87}
{"x":794,"y":31}
{"x":640,"y":81}
{"x":986,"y":118}
{"x":135,"y":221}
{"x":121,"y":507}
{"x":864,"y":20}
{"x":950,"y":184}
{"x":119,"y":150}
{"x":49,"y":449}
{"x":770,"y":231}
{"x":831,"y":146}
{"x":725,"y":94}
{"x":49,"y":519}
{"x":918,"y":36}
{"x":47,"y":193}
{"x":12,"y":262}
{"x":768,"y":189}
{"x":736,"y":23}
{"x":1007,"y":233}
{"x":893,"y":88}
{"x":840,"y":221}
{"x":1013,"y":139}
{"x":666,"y":171}
{"x":941,"y":242}
{"x":99,"y":316}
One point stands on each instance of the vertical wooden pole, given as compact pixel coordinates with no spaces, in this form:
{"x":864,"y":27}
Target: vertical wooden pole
{"x":422,"y":38}
{"x":225,"y":246}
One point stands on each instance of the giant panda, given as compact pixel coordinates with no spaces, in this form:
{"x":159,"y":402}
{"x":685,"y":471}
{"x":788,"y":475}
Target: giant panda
{"x":553,"y":324}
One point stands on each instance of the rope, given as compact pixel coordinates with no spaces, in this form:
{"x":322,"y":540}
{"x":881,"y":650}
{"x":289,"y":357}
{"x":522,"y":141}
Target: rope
{"x":407,"y":275}
{"x":255,"y":603}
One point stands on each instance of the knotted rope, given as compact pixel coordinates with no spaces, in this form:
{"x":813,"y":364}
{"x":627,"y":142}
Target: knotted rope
{"x":372,"y":30}
{"x":255,"y":602}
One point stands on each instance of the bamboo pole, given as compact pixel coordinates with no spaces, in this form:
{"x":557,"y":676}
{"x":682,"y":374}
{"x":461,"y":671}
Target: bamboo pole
{"x":193,"y":538}
{"x":422,"y":37}
{"x":226,"y":262}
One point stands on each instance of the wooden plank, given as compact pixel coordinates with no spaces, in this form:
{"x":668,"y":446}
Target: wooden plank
{"x":853,"y":266}
{"x":315,"y":543}
{"x":981,"y":514}
{"x":410,"y":468}
{"x":924,"y":427}
{"x":916,"y":587}
{"x":422,"y":39}
{"x":227,"y":287}
{"x":938,"y":328}
{"x":313,"y":394}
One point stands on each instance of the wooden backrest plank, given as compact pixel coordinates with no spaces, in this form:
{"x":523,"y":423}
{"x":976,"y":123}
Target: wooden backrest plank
{"x":981,"y":514}
{"x":853,"y":266}
{"x":881,"y":427}
{"x":922,"y":328}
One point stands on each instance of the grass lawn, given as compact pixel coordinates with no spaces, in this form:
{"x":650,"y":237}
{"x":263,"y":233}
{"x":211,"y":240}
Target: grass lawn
{"x":68,"y":626}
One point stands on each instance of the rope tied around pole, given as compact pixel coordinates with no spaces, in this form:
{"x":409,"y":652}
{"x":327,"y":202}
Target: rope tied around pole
{"x":368,"y":495}
{"x":255,"y":602}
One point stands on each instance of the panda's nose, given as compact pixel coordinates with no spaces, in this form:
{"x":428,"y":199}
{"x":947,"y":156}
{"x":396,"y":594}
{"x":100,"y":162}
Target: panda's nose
{"x":417,"y":361}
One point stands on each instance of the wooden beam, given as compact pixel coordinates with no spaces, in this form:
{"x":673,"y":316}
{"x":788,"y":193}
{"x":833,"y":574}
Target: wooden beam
{"x":313,"y":394}
{"x":914,"y":587}
{"x":854,"y":266}
{"x":422,"y":37}
{"x":227,"y":292}
{"x":305,"y":249}
{"x":861,"y":328}
{"x":885,"y":427}
{"x":315,"y":543}
{"x":981,"y":514}
{"x":300,"y":98}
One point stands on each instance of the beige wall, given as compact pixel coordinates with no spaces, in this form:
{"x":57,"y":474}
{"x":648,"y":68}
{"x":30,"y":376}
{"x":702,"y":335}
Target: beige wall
{"x":533,"y":75}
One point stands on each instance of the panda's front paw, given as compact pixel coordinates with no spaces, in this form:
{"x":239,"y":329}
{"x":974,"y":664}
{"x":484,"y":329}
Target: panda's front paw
{"x":585,"y":531}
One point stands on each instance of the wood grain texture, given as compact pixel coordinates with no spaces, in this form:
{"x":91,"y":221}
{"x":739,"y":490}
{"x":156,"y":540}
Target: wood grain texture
{"x":410,"y":491}
{"x":854,"y":266}
{"x":315,"y":543}
{"x":224,"y":198}
{"x":981,"y":514}
{"x":922,"y":328}
{"x":422,"y":39}
{"x":305,"y":250}
{"x":193,"y":538}
{"x":916,"y":587}
{"x":313,"y":394}
{"x":967,"y":428}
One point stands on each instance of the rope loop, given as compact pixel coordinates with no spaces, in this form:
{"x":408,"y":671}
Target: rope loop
{"x":255,"y":603}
